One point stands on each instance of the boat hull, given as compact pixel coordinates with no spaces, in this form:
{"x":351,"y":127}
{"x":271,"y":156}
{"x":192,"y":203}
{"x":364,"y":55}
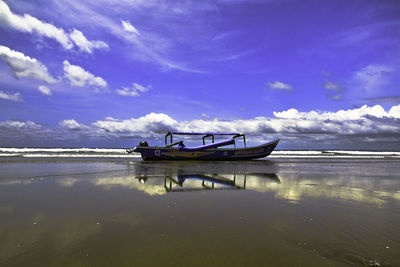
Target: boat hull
{"x":163,"y":153}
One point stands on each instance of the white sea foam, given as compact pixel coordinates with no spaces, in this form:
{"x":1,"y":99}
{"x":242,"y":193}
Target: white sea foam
{"x":78,"y":156}
{"x":60,"y":150}
{"x":327,"y":156}
{"x":121,"y":153}
{"x":296,"y":152}
{"x":9,"y":155}
{"x":364,"y":152}
{"x":66,"y":153}
{"x":333,"y":153}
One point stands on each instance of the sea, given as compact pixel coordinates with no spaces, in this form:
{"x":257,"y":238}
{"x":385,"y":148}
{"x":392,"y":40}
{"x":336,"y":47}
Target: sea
{"x":121,"y":153}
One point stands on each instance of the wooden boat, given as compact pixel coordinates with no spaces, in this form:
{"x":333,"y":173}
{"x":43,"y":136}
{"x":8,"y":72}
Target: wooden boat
{"x":212,"y":151}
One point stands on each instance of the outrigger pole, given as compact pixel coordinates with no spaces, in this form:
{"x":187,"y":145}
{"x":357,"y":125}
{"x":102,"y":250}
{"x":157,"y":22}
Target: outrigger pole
{"x":205,"y":135}
{"x":213,"y":145}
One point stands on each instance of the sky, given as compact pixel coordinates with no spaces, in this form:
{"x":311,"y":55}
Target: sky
{"x":107,"y":73}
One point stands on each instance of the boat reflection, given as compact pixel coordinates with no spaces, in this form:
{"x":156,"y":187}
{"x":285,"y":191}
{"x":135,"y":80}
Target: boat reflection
{"x":200,"y":181}
{"x":206,"y":182}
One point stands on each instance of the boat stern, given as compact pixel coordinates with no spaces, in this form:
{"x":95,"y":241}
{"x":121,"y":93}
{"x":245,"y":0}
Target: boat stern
{"x":139,"y":148}
{"x":131,"y":150}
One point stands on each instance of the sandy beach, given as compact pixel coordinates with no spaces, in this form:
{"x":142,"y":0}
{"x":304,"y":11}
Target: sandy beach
{"x":199,"y":133}
{"x":282,"y":211}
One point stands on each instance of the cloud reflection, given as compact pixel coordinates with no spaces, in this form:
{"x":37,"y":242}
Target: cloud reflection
{"x":283,"y":186}
{"x":292,"y":187}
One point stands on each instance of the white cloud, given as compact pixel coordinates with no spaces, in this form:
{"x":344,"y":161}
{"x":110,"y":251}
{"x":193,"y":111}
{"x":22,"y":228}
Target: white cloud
{"x":334,"y":90}
{"x":279,"y":86}
{"x":77,"y":76}
{"x":84,"y":44}
{"x":44,"y":90}
{"x":24,"y":66}
{"x":71,"y":124}
{"x":157,"y":46}
{"x":14,"y":131}
{"x":18,"y":125}
{"x":363,"y":120}
{"x":135,"y":90}
{"x":129,"y":27}
{"x":30,"y":24}
{"x":395,"y":111}
{"x":388,"y":99}
{"x":359,"y":121}
{"x":372,"y":79}
{"x":333,"y":86}
{"x":367,"y":127}
{"x":149,"y":124}
{"x":13,"y":97}
{"x":341,"y":115}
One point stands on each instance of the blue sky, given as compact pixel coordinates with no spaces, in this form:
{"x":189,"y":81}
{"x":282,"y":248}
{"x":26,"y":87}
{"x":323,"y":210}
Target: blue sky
{"x":317,"y":74}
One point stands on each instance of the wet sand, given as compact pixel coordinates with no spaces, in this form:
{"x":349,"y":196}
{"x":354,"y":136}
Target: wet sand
{"x":278,"y":212}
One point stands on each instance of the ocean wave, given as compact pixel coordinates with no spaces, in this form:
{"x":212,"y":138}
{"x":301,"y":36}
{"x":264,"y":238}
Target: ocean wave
{"x":66,"y":153}
{"x":63,"y":150}
{"x":349,"y":152}
{"x":78,"y":156}
{"x":121,"y":153}
{"x":328,"y":156}
{"x":333,"y":153}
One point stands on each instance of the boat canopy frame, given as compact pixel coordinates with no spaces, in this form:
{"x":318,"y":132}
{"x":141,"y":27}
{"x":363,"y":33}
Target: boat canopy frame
{"x":205,"y":135}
